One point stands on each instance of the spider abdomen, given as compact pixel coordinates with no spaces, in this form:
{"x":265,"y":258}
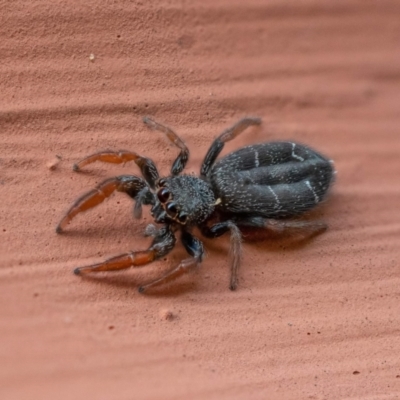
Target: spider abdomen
{"x":272,"y":180}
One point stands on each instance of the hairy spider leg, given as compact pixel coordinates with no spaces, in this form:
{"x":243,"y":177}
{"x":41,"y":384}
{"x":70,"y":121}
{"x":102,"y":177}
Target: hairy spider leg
{"x":312,"y":228}
{"x":219,"y":229}
{"x":219,"y":143}
{"x":195,"y":248}
{"x":146,"y":165}
{"x":129,"y":184}
{"x":180,"y":162}
{"x":162,"y":244}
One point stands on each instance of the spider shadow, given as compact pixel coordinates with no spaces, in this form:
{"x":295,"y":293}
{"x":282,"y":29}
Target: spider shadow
{"x":290,"y":239}
{"x":275,"y":241}
{"x":134,"y":277}
{"x":131,"y":280}
{"x":107,"y":229}
{"x":125,"y":281}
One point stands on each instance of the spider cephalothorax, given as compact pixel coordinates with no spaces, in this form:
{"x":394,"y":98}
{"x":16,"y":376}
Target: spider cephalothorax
{"x":184,"y":199}
{"x":265,"y":185}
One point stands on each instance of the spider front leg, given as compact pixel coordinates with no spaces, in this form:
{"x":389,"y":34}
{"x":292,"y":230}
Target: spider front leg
{"x":236,"y":245}
{"x":195,"y":248}
{"x":219,"y":143}
{"x":162,"y":244}
{"x":146,"y":165}
{"x":132,"y":185}
{"x":181,"y":160}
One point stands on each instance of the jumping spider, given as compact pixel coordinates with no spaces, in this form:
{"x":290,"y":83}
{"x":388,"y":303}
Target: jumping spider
{"x":262,"y":185}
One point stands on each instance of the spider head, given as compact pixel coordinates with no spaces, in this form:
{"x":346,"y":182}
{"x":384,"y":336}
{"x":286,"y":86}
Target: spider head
{"x":183,"y":199}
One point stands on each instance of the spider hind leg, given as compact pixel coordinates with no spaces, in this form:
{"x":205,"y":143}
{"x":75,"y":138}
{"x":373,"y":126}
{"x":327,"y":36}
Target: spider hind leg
{"x":219,"y":229}
{"x":219,"y":143}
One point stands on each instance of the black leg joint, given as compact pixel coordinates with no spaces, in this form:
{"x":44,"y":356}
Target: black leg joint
{"x":163,"y":242}
{"x":179,"y":163}
{"x":211,"y":156}
{"x":131,"y":185}
{"x":216,"y":230}
{"x":193,"y":246}
{"x":149,"y":171}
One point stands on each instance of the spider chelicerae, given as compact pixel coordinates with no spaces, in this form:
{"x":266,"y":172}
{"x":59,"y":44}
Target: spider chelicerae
{"x":264,"y":185}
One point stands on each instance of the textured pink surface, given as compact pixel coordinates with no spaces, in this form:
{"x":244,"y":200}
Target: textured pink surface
{"x":306,"y":318}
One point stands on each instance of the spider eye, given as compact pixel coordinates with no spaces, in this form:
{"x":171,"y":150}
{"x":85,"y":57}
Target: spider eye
{"x":162,"y":182}
{"x":163,"y":195}
{"x":171,"y":209}
{"x":182,"y":218}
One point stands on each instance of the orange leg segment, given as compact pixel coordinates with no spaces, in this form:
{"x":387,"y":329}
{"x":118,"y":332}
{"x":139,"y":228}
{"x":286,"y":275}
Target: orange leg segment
{"x":123,"y":261}
{"x":146,"y":165}
{"x":129,"y":184}
{"x":114,"y":157}
{"x":162,"y":244}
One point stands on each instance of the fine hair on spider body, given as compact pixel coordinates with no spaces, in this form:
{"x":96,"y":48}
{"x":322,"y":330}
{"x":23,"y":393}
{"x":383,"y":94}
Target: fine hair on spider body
{"x":266,"y":185}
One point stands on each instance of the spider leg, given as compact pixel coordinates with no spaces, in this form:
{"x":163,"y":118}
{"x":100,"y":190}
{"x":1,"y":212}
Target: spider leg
{"x":132,"y":185}
{"x":219,"y":143}
{"x":146,"y":165}
{"x":143,"y":197}
{"x":195,"y":248}
{"x":311,"y":228}
{"x":181,"y":160}
{"x":236,"y":245}
{"x":162,"y":244}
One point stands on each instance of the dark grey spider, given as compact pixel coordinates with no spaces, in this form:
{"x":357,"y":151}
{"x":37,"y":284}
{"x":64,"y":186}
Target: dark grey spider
{"x":262,"y":186}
